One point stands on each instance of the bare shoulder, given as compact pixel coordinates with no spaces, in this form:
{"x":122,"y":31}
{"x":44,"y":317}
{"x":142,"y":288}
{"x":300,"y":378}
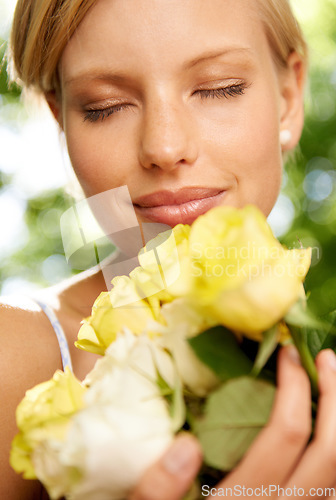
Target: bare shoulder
{"x":27,"y":341}
{"x":29,"y":355}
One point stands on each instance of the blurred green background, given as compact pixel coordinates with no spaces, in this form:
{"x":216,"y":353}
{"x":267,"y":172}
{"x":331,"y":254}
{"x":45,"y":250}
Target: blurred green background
{"x":34,"y":171}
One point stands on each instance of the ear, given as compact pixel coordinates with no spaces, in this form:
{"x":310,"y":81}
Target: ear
{"x":292,"y":84}
{"x":55,"y":105}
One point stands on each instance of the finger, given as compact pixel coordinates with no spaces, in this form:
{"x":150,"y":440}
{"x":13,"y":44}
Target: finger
{"x":173,"y":475}
{"x":277,"y":449}
{"x":317,"y":468}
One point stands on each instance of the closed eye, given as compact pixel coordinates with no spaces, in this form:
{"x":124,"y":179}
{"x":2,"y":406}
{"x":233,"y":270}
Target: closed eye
{"x":93,"y":115}
{"x":229,"y":91}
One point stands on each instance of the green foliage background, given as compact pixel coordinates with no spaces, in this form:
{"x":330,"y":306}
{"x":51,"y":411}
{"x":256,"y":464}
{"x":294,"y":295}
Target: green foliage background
{"x":312,"y":171}
{"x":310,"y":180}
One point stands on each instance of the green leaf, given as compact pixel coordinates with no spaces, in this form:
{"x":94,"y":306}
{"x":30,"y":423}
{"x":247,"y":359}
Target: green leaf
{"x":300,"y":316}
{"x":174,"y":396}
{"x":266,"y":349}
{"x":310,"y":335}
{"x":330,"y":339}
{"x":218,"y":348}
{"x":234,"y":415}
{"x":315,"y":339}
{"x":331,"y":318}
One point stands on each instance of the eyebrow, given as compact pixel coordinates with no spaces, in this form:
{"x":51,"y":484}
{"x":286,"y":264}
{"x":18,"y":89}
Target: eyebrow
{"x":214,"y":54}
{"x":97,"y":74}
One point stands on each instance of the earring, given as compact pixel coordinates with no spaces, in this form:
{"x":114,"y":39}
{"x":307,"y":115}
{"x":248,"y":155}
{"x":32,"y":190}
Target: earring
{"x":285,"y":137}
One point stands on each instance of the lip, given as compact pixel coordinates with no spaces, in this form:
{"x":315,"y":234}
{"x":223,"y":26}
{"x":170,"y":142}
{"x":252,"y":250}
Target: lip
{"x":178,"y":207}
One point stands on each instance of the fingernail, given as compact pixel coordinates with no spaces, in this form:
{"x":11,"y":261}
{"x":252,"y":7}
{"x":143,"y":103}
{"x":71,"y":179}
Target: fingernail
{"x":180,"y":457}
{"x":293,"y":354}
{"x":330,"y":358}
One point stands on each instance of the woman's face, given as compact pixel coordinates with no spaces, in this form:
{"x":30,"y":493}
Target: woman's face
{"x":180,"y":100}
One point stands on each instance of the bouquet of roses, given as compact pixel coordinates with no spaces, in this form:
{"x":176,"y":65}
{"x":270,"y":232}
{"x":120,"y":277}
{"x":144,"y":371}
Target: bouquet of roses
{"x":187,"y":342}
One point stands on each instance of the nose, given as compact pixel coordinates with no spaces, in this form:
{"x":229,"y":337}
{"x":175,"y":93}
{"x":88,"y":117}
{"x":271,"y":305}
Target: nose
{"x":168,"y":136}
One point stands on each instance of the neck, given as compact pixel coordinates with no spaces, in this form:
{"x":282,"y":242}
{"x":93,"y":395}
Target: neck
{"x":79,"y":292}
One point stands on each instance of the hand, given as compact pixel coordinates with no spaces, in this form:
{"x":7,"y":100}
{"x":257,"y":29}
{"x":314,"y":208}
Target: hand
{"x":172,"y":476}
{"x":280,"y":457}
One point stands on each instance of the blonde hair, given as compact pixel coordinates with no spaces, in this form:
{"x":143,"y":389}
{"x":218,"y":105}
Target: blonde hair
{"x":282,"y":30}
{"x":42,"y":28}
{"x":40,"y":31}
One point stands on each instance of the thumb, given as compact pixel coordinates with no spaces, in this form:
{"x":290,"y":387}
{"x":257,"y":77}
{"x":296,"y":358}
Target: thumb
{"x":172,"y":476}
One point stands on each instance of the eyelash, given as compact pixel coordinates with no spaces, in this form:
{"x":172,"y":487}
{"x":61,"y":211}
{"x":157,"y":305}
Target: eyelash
{"x":230,"y":91}
{"x":93,"y":115}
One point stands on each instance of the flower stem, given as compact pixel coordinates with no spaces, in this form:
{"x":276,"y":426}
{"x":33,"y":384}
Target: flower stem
{"x":306,"y":357}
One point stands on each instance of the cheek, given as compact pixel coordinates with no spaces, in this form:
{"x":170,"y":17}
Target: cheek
{"x":99,"y":156}
{"x":259,"y":176}
{"x":246,"y":144}
{"x":261,"y":181}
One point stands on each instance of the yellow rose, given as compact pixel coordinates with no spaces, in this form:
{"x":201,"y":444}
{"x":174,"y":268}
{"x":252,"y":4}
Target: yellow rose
{"x":136,"y":300}
{"x":164,"y":265}
{"x":242,"y":276}
{"x":122,"y":306}
{"x":43,"y":415}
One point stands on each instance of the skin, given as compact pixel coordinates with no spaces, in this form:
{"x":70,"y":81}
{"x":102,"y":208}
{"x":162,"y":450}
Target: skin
{"x":279,"y":456}
{"x":168,"y":133}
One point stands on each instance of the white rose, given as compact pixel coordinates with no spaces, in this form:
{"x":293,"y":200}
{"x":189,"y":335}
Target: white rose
{"x":183,"y":321}
{"x":125,"y":425}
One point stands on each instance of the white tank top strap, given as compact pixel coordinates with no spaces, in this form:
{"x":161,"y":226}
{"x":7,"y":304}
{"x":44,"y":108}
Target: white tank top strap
{"x":62,"y":341}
